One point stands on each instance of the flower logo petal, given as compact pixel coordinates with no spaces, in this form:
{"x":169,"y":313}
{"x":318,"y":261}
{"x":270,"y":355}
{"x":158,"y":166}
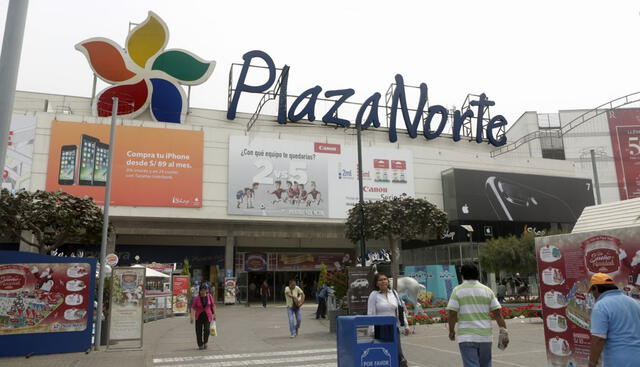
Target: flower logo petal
{"x":133,"y":98}
{"x":147,"y":39}
{"x":166,"y":101}
{"x":184,"y":66}
{"x":106,"y":59}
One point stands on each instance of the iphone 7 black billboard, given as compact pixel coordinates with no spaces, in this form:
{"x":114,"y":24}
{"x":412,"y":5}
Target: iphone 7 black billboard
{"x":514,"y":197}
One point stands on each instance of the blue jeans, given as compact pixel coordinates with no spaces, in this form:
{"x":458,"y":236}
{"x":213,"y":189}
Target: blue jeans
{"x":475,"y":354}
{"x":294,"y":325}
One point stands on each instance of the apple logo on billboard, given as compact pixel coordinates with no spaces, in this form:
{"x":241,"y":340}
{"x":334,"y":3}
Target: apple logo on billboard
{"x":465,"y":209}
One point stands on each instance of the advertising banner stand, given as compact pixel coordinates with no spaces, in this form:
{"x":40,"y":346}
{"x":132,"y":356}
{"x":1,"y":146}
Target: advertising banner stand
{"x":230,"y":287}
{"x":126,"y":308}
{"x":46,"y":303}
{"x":360,"y":286}
{"x":565,"y":266}
{"x":180,"y":294}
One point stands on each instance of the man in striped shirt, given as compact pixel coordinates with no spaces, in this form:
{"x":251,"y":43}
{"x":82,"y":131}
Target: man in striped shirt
{"x":470,"y":306}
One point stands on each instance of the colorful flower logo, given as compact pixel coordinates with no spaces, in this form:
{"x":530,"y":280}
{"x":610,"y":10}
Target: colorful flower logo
{"x":145,"y":74}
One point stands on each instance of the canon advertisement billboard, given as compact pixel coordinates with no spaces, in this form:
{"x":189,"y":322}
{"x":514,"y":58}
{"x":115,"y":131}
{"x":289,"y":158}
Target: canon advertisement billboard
{"x":471,"y":195}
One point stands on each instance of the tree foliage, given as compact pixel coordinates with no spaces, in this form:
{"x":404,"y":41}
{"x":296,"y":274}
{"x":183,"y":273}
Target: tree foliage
{"x":54,"y":218}
{"x":322,"y":279}
{"x":512,"y":254}
{"x":394,"y":219}
{"x":399,"y":217}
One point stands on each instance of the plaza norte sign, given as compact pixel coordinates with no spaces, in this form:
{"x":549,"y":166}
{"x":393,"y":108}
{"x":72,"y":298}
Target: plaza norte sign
{"x":146,"y":75}
{"x":437,"y":115}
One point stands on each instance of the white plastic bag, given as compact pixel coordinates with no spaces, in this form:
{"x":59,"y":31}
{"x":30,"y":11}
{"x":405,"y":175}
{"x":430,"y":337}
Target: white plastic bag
{"x":213,"y":329}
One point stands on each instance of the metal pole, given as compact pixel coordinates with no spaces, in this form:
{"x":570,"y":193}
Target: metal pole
{"x":9,"y":65}
{"x":105,"y":224}
{"x":93,"y":90}
{"x":363,"y":246}
{"x":596,"y":182}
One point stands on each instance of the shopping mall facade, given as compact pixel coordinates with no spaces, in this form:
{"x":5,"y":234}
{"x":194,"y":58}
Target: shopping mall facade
{"x":251,"y":195}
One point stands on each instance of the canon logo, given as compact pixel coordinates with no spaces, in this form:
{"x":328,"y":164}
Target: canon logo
{"x":374,"y":189}
{"x":326,"y":148}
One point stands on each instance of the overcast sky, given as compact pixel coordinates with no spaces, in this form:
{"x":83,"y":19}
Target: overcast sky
{"x":540,"y":56}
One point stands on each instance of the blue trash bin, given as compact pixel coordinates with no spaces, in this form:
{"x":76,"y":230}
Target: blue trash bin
{"x":366,"y":352}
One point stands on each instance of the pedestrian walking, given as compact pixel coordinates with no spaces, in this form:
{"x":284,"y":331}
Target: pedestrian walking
{"x":295,"y":298}
{"x":322,"y":295}
{"x":386,"y":302}
{"x":469,"y":307}
{"x":203,"y":311}
{"x":265,"y":292}
{"x":615,"y":325}
{"x":501,"y":291}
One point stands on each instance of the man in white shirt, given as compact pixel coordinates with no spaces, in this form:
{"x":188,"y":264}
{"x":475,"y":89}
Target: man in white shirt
{"x":469,"y":307}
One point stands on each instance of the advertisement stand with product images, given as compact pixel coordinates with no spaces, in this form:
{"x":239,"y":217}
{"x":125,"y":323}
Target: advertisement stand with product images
{"x":565,"y":266}
{"x":180,"y":294}
{"x":46,"y":303}
{"x":360,"y":286}
{"x":127,"y":308}
{"x":230,"y":289}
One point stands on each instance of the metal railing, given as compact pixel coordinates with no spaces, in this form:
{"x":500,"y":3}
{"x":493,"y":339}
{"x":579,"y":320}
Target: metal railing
{"x":581,"y":119}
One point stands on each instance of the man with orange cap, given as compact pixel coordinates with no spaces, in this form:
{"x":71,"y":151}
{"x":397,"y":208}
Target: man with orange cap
{"x":615,"y":325}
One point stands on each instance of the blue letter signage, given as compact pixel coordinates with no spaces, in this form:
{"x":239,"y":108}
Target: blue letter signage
{"x":305,"y":104}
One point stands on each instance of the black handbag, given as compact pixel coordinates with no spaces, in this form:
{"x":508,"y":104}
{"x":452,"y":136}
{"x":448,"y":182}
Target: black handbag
{"x":400,"y":309}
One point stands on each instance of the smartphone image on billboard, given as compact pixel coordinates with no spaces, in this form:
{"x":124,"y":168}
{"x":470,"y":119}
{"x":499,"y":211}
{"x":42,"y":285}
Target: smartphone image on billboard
{"x":100,"y":167}
{"x":87,"y":159}
{"x":67,"y":172}
{"x":513,"y":201}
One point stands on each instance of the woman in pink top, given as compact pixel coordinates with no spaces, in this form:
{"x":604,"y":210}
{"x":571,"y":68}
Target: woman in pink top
{"x":203,"y":310}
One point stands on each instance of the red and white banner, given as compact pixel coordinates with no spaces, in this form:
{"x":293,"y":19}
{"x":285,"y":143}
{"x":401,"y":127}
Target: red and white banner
{"x":624,"y":127}
{"x":180,"y":293}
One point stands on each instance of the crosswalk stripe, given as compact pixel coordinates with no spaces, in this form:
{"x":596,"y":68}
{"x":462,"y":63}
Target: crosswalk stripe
{"x":256,"y":362}
{"x":241,"y":355}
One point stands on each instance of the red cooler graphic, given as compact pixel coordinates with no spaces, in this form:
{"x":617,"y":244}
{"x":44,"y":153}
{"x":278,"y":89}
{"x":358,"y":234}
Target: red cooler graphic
{"x":602,"y":254}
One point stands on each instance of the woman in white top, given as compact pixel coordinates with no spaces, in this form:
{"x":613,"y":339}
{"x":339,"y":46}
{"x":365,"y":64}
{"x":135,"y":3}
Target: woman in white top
{"x":384,"y":302}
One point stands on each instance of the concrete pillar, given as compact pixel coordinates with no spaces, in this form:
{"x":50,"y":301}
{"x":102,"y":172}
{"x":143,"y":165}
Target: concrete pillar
{"x":24,"y":247}
{"x":111,"y":244}
{"x":492,"y":282}
{"x":228,"y":253}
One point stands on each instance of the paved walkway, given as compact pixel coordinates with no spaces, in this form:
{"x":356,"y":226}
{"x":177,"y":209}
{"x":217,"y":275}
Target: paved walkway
{"x":254,"y":336}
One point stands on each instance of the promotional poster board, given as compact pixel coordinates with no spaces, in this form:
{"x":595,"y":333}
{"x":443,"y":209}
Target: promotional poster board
{"x":514,"y":197}
{"x":360,"y":286}
{"x":229,"y":290}
{"x":151,"y":166}
{"x":439,"y":281}
{"x":48,"y":299}
{"x":565,"y":266}
{"x":285,"y":178}
{"x":16,"y":173}
{"x":180,"y":293}
{"x":127,"y":302}
{"x":308,"y":261}
{"x":624,"y":128}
